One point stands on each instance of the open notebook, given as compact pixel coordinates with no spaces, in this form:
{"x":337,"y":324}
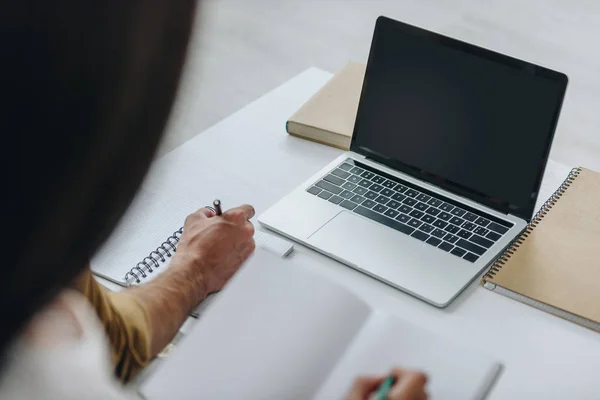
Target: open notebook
{"x":279,"y":331}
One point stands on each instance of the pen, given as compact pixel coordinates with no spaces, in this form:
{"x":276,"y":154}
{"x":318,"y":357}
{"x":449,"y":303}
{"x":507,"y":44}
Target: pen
{"x":217,"y":206}
{"x":384,"y":389}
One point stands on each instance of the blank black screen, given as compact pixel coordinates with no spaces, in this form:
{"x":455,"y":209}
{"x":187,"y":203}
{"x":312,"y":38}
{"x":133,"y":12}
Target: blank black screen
{"x":480,"y":124}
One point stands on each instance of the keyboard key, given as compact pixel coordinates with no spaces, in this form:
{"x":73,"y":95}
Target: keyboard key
{"x":391,"y":213}
{"x":421,"y":206}
{"x":384,"y":220}
{"x":493,"y":236}
{"x":370,"y":195}
{"x":440,"y":224}
{"x":434,"y":202}
{"x":349,"y":186}
{"x":457,"y":251}
{"x":387,"y":192}
{"x":398,"y":197}
{"x":403,"y":218}
{"x":445,"y":246}
{"x":416,"y":213}
{"x":376,"y":188}
{"x":452,"y":228}
{"x":464,"y":234}
{"x":400,"y":188}
{"x":346,"y":194}
{"x":470,"y":257}
{"x":346,"y":166}
{"x":393,"y":204}
{"x":469,"y":216}
{"x":380,"y":209}
{"x":410,"y":202}
{"x":482,"y":221}
{"x":415,"y":223}
{"x":445,"y":216}
{"x":382,"y":200}
{"x":446,"y":207}
{"x":457,"y":221}
{"x":367,"y":175}
{"x":359,"y":190}
{"x":357,"y":199}
{"x":437,"y":232}
{"x":389,"y":184}
{"x":341,"y":173}
{"x":473,"y":248}
{"x":481,"y":241}
{"x":348,"y":204}
{"x":428,"y":218}
{"x":411,"y":193}
{"x":497,"y":228}
{"x":423,"y":197}
{"x":335,"y":199}
{"x":481,"y":231}
{"x":368,"y":203}
{"x":329,"y":187}
{"x":354,"y":179}
{"x":469,"y":226}
{"x":450,"y":238}
{"x":420,"y":235}
{"x":426,"y":228}
{"x":325,"y":195}
{"x":433,"y":211}
{"x":405,"y":209}
{"x":314,"y":190}
{"x":433,"y":241}
{"x":365,"y":183}
{"x":458,"y":212}
{"x":334,"y":179}
{"x":378,"y":179}
{"x":357,"y":170}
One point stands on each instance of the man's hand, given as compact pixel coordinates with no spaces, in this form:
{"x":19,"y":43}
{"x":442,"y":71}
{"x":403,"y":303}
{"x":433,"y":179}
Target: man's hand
{"x":410,"y":385}
{"x":216,"y":246}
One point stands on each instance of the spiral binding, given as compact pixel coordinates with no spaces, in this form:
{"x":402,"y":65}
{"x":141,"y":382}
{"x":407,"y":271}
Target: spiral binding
{"x":154,"y":259}
{"x":518,"y":242}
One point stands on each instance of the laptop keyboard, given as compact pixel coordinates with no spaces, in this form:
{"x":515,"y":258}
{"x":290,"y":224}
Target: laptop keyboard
{"x":394,"y":203}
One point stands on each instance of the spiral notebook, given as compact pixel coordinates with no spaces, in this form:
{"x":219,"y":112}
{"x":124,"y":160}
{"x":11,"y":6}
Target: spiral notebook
{"x":554,"y":265}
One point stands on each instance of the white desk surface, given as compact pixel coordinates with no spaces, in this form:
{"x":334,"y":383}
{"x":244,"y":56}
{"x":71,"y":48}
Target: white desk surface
{"x":544,"y":357}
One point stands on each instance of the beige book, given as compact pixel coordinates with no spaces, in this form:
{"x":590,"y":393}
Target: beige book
{"x":555,"y":264}
{"x":328,"y":117}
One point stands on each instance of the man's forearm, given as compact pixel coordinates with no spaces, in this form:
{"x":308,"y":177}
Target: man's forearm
{"x":168,"y":301}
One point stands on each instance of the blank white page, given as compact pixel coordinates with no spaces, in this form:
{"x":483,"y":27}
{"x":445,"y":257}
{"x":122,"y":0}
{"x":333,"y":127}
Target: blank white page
{"x":385,"y":342}
{"x":275,"y":332}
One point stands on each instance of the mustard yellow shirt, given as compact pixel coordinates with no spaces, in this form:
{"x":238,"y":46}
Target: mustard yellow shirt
{"x":126,"y":323}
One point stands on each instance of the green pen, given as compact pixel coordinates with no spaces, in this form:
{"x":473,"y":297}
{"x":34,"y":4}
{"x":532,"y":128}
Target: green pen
{"x":384,"y":389}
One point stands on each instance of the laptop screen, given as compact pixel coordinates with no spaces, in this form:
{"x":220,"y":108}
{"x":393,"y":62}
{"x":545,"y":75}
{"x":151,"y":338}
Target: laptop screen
{"x":473,"y":121}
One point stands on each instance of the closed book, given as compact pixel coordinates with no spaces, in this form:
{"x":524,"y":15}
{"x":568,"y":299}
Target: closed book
{"x":328,"y":117}
{"x":554,"y":264}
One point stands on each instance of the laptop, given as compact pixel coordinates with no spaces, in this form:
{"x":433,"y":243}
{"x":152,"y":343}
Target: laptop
{"x":447,"y":156}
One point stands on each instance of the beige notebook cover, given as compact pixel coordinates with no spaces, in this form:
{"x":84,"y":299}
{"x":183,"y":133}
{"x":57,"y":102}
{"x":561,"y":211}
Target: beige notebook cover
{"x":555,"y":264}
{"x":328,"y":117}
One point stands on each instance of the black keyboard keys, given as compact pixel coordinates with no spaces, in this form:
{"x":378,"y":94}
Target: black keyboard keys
{"x":354,"y":179}
{"x":357,"y":199}
{"x":457,"y":221}
{"x":471,"y":257}
{"x":421,"y":206}
{"x":360,"y":190}
{"x":404,"y":208}
{"x":380,"y":209}
{"x":469,"y":216}
{"x":387,"y":192}
{"x":376,"y":188}
{"x":393,"y":204}
{"x":330,"y":187}
{"x":452,"y":228}
{"x":464,"y":234}
{"x":367,"y":175}
{"x":433,"y":241}
{"x":457,"y":251}
{"x":398,"y":197}
{"x":497,"y":228}
{"x":481,"y":231}
{"x":325,"y":195}
{"x":439,"y":223}
{"x":444,"y":216}
{"x":378,"y":179}
{"x":335,"y":199}
{"x":346,"y":166}
{"x":437,"y":232}
{"x":481,"y":241}
{"x":341,"y":173}
{"x":426,"y":228}
{"x":409,"y":201}
{"x":389,"y":184}
{"x":450,"y":238}
{"x":370,"y":195}
{"x":314,"y":190}
{"x":348,"y":204}
{"x":382,"y":200}
{"x":357,"y":170}
{"x":349,"y":186}
{"x":400,"y":188}
{"x":434,"y":202}
{"x":336,"y":180}
{"x":446,"y":207}
{"x":428,"y":218}
{"x":469,"y":226}
{"x":411,"y":193}
{"x":433,"y":211}
{"x":403,"y":218}
{"x":423,"y":197}
{"x":445,"y":246}
{"x":420,"y":235}
{"x":391,"y":213}
{"x":415,"y":223}
{"x":416,"y":213}
{"x":365,"y":183}
{"x":482,"y":221}
{"x":368,"y":203}
{"x":384,"y":220}
{"x":458,"y":212}
{"x":493,"y":236}
{"x":470,"y":246}
{"x":346,"y":195}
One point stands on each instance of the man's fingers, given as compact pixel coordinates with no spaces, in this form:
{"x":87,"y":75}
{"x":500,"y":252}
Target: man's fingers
{"x":205,"y":212}
{"x":248,"y":250}
{"x":363,"y":386}
{"x":409,"y":385}
{"x":241,"y":213}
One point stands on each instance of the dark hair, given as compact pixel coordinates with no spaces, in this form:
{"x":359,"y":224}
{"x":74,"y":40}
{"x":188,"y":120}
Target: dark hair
{"x":87,"y":87}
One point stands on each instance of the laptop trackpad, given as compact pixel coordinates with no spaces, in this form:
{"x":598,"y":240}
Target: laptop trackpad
{"x":371,"y":247}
